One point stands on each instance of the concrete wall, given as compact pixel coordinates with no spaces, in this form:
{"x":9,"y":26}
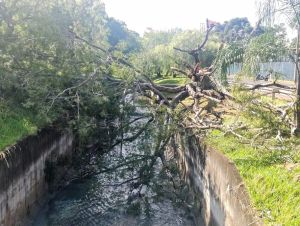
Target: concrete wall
{"x":23,"y":182}
{"x":216,"y":184}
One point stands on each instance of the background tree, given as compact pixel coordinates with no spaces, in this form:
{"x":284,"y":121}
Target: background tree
{"x":120,"y":38}
{"x":236,"y":29}
{"x":290,"y":9}
{"x":158,"y":56}
{"x":235,"y":35}
{"x":257,"y":45}
{"x":270,"y":46}
{"x":49,"y":63}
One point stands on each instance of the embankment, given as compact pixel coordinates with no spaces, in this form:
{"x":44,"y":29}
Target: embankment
{"x":27,"y":171}
{"x":215,"y":183}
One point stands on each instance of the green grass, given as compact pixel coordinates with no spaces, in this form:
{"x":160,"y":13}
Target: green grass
{"x":172,"y":81}
{"x":276,"y":101}
{"x":274,"y":188}
{"x":14,"y":125}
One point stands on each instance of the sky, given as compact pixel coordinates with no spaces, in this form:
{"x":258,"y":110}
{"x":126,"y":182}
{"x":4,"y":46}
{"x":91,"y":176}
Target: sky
{"x":166,"y":14}
{"x":186,"y":14}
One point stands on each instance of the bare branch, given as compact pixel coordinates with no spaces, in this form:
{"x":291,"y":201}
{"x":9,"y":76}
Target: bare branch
{"x":179,"y":70}
{"x":194,"y":52}
{"x":147,"y":86}
{"x":257,"y":86}
{"x":166,"y":89}
{"x":200,"y":46}
{"x":135,"y":136}
{"x":179,"y":97}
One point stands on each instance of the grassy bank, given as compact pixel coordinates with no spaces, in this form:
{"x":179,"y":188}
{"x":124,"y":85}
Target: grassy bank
{"x":271,"y":173}
{"x":15,"y":124}
{"x":270,"y":168}
{"x":172,"y":81}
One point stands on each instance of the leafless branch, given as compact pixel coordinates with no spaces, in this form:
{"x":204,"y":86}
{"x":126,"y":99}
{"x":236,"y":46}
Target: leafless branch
{"x":257,"y":86}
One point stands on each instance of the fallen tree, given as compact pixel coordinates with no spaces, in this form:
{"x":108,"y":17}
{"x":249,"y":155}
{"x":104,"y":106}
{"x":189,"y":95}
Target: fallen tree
{"x":203,"y":87}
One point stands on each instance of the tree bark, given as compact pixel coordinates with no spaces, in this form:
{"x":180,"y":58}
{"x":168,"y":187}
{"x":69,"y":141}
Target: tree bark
{"x":297,"y":57}
{"x":297,"y":105}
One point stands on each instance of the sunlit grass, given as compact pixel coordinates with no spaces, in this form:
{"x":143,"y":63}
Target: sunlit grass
{"x":14,"y":125}
{"x":275,"y":101}
{"x":272,"y":177}
{"x":172,"y":81}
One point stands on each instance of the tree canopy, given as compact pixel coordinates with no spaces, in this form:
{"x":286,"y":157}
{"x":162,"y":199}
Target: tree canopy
{"x":54,"y":56}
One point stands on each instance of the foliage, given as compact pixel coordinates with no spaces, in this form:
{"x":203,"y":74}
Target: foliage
{"x":121,"y":38}
{"x":189,"y":40}
{"x":231,"y":53}
{"x":270,"y":46}
{"x":47,"y":70}
{"x":158,"y":56}
{"x":234,"y":30}
{"x":273,"y":186}
{"x":155,"y":62}
{"x":15,"y":124}
{"x":259,"y":111}
{"x":268,"y":161}
{"x":272,"y":10}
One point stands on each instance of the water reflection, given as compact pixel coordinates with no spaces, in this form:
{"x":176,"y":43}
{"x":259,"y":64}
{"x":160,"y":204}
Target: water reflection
{"x":90,"y":203}
{"x":100,"y":201}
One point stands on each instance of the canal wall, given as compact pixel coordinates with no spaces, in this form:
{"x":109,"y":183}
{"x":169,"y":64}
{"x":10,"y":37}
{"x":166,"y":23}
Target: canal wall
{"x":215,"y":184}
{"x":28,"y":170}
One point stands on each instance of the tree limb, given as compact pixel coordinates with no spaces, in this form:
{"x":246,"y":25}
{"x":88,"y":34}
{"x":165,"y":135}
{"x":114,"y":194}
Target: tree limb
{"x":257,"y":86}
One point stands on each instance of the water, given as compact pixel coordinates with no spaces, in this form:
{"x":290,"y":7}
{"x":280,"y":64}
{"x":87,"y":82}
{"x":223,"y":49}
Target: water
{"x":101,"y":200}
{"x":89,"y":203}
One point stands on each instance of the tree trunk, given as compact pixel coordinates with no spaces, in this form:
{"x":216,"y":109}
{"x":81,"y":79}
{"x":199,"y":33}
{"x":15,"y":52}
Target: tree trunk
{"x":297,"y":81}
{"x":297,"y":58}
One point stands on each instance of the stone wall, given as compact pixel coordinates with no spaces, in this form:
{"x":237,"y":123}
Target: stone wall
{"x":23,"y":181}
{"x":215,"y":183}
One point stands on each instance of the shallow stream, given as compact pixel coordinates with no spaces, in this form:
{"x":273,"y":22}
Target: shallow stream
{"x":103,"y":200}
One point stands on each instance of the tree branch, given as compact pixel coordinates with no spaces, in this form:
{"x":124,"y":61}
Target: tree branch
{"x":257,"y":86}
{"x":135,"y":136}
{"x":91,"y":76}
